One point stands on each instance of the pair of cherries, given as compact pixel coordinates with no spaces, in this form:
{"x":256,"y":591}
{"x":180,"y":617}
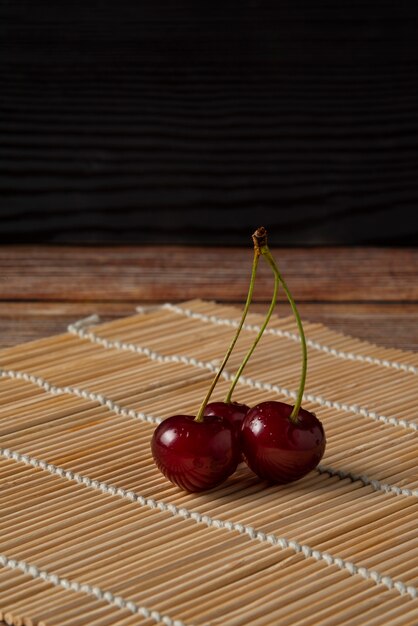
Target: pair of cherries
{"x":279,"y":442}
{"x":200,"y":455}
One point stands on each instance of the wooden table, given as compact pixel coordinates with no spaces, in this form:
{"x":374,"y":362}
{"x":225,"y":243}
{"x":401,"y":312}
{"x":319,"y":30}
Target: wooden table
{"x":368,"y":292}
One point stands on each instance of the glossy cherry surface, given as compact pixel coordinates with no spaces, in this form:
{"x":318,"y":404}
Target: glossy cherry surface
{"x":234,"y":412}
{"x":276,"y":448}
{"x":195,"y":455}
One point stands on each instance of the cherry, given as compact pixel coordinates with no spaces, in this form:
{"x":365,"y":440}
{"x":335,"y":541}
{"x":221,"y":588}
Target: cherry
{"x":198,"y":453}
{"x":233,"y":412}
{"x":280,"y":442}
{"x":279,"y":448}
{"x":195,"y":455}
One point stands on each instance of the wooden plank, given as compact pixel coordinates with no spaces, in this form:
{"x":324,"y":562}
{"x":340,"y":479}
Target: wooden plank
{"x":387,"y":324}
{"x":137,"y":273}
{"x":304,"y":114}
{"x":391,"y":325}
{"x":25,"y":321}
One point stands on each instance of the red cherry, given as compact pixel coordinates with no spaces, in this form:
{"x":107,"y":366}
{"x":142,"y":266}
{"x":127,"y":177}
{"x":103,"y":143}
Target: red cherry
{"x":195,"y":455}
{"x":278,"y":449}
{"x":234,"y":412}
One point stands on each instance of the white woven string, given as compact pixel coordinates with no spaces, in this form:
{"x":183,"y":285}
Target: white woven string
{"x":376,"y":485}
{"x":151,"y":419}
{"x":315,"y":345}
{"x":79,"y":329}
{"x":90,"y":590}
{"x":244,"y":529}
{"x":118,"y":409}
{"x":252,"y":533}
{"x":85,"y":394}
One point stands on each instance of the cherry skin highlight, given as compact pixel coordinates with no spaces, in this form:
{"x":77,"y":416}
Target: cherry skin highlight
{"x":195,"y":455}
{"x":278,"y":449}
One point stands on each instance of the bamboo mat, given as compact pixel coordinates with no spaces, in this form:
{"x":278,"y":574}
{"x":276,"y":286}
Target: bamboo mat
{"x":91,"y":533}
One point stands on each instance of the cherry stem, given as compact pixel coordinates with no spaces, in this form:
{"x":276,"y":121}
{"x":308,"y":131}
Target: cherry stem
{"x":257,"y":339}
{"x":269,"y":258}
{"x":257,"y":252}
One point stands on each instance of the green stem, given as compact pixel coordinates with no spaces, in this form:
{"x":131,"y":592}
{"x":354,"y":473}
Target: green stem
{"x":199,"y":416}
{"x":269,"y":258}
{"x":257,"y":339}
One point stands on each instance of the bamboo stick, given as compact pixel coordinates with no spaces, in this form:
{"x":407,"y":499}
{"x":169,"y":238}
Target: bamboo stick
{"x":172,"y":564}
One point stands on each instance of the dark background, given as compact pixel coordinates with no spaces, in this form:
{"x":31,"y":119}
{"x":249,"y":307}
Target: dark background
{"x":146,"y":122}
